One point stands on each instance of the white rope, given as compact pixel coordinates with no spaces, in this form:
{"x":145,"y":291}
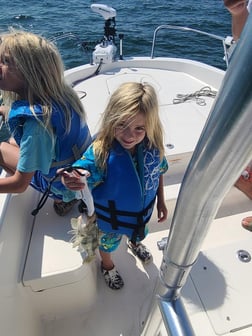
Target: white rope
{"x":206,"y":91}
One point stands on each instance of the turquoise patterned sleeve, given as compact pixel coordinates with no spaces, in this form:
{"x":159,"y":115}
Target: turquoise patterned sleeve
{"x":164,"y":165}
{"x":87,"y":162}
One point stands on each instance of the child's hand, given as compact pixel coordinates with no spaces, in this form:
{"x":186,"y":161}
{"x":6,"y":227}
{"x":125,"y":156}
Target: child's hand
{"x":72,"y":179}
{"x":162,"y":211}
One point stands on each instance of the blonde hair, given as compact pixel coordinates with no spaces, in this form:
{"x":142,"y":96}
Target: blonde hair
{"x":124,"y":104}
{"x":40,"y":64}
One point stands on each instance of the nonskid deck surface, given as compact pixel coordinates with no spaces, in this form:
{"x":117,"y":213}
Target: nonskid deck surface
{"x":119,"y":312}
{"x":182,"y":122}
{"x":217,"y":295}
{"x":123,"y":312}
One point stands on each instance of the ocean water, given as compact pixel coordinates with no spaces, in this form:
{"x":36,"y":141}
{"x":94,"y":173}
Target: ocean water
{"x":73,"y":22}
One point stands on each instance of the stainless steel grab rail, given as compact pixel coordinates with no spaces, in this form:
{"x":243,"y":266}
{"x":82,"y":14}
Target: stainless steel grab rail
{"x":217,"y":37}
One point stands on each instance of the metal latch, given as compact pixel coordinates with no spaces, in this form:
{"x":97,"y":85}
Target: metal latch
{"x":162,"y":243}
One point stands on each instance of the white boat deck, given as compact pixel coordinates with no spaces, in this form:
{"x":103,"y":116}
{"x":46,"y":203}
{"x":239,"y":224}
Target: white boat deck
{"x":182,"y":123}
{"x":48,"y":291}
{"x":220,"y":278}
{"x":215,"y":288}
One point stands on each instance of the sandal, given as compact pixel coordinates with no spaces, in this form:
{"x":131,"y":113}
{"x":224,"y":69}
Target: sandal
{"x":112,"y":278}
{"x":62,"y":208}
{"x":140,"y":251}
{"x":247,"y":223}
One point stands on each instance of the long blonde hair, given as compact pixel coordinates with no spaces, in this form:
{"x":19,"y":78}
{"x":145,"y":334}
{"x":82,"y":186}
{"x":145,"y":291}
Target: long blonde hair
{"x":125,"y":103}
{"x":40,"y":64}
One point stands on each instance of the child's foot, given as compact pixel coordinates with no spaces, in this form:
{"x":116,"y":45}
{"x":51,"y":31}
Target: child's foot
{"x":112,"y":278}
{"x":247,"y":223}
{"x":140,"y":251}
{"x":62,"y":208}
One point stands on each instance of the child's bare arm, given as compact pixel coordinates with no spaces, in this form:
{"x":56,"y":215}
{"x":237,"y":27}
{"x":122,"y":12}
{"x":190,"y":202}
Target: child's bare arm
{"x":162,"y":211}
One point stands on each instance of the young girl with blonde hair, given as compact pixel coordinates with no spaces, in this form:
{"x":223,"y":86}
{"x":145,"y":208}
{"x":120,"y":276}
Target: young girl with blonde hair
{"x":126,"y":162}
{"x":46,"y":117}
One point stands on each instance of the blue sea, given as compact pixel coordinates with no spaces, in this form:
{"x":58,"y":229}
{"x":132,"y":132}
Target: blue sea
{"x":72,"y":23}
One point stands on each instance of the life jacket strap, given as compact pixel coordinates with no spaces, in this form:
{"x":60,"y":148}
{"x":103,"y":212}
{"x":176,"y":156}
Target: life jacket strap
{"x":138,"y":229}
{"x":111,"y":209}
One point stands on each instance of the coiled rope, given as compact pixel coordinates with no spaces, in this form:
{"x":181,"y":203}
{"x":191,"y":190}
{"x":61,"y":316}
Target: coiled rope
{"x":206,"y":91}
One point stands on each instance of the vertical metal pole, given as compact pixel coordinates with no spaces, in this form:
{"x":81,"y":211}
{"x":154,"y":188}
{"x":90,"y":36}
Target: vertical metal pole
{"x":223,"y":150}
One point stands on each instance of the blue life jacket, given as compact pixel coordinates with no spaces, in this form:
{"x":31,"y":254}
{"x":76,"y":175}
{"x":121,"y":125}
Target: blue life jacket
{"x":124,"y":201}
{"x":69,"y":146}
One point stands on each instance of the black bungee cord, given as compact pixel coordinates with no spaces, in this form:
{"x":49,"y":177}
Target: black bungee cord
{"x":46,"y":194}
